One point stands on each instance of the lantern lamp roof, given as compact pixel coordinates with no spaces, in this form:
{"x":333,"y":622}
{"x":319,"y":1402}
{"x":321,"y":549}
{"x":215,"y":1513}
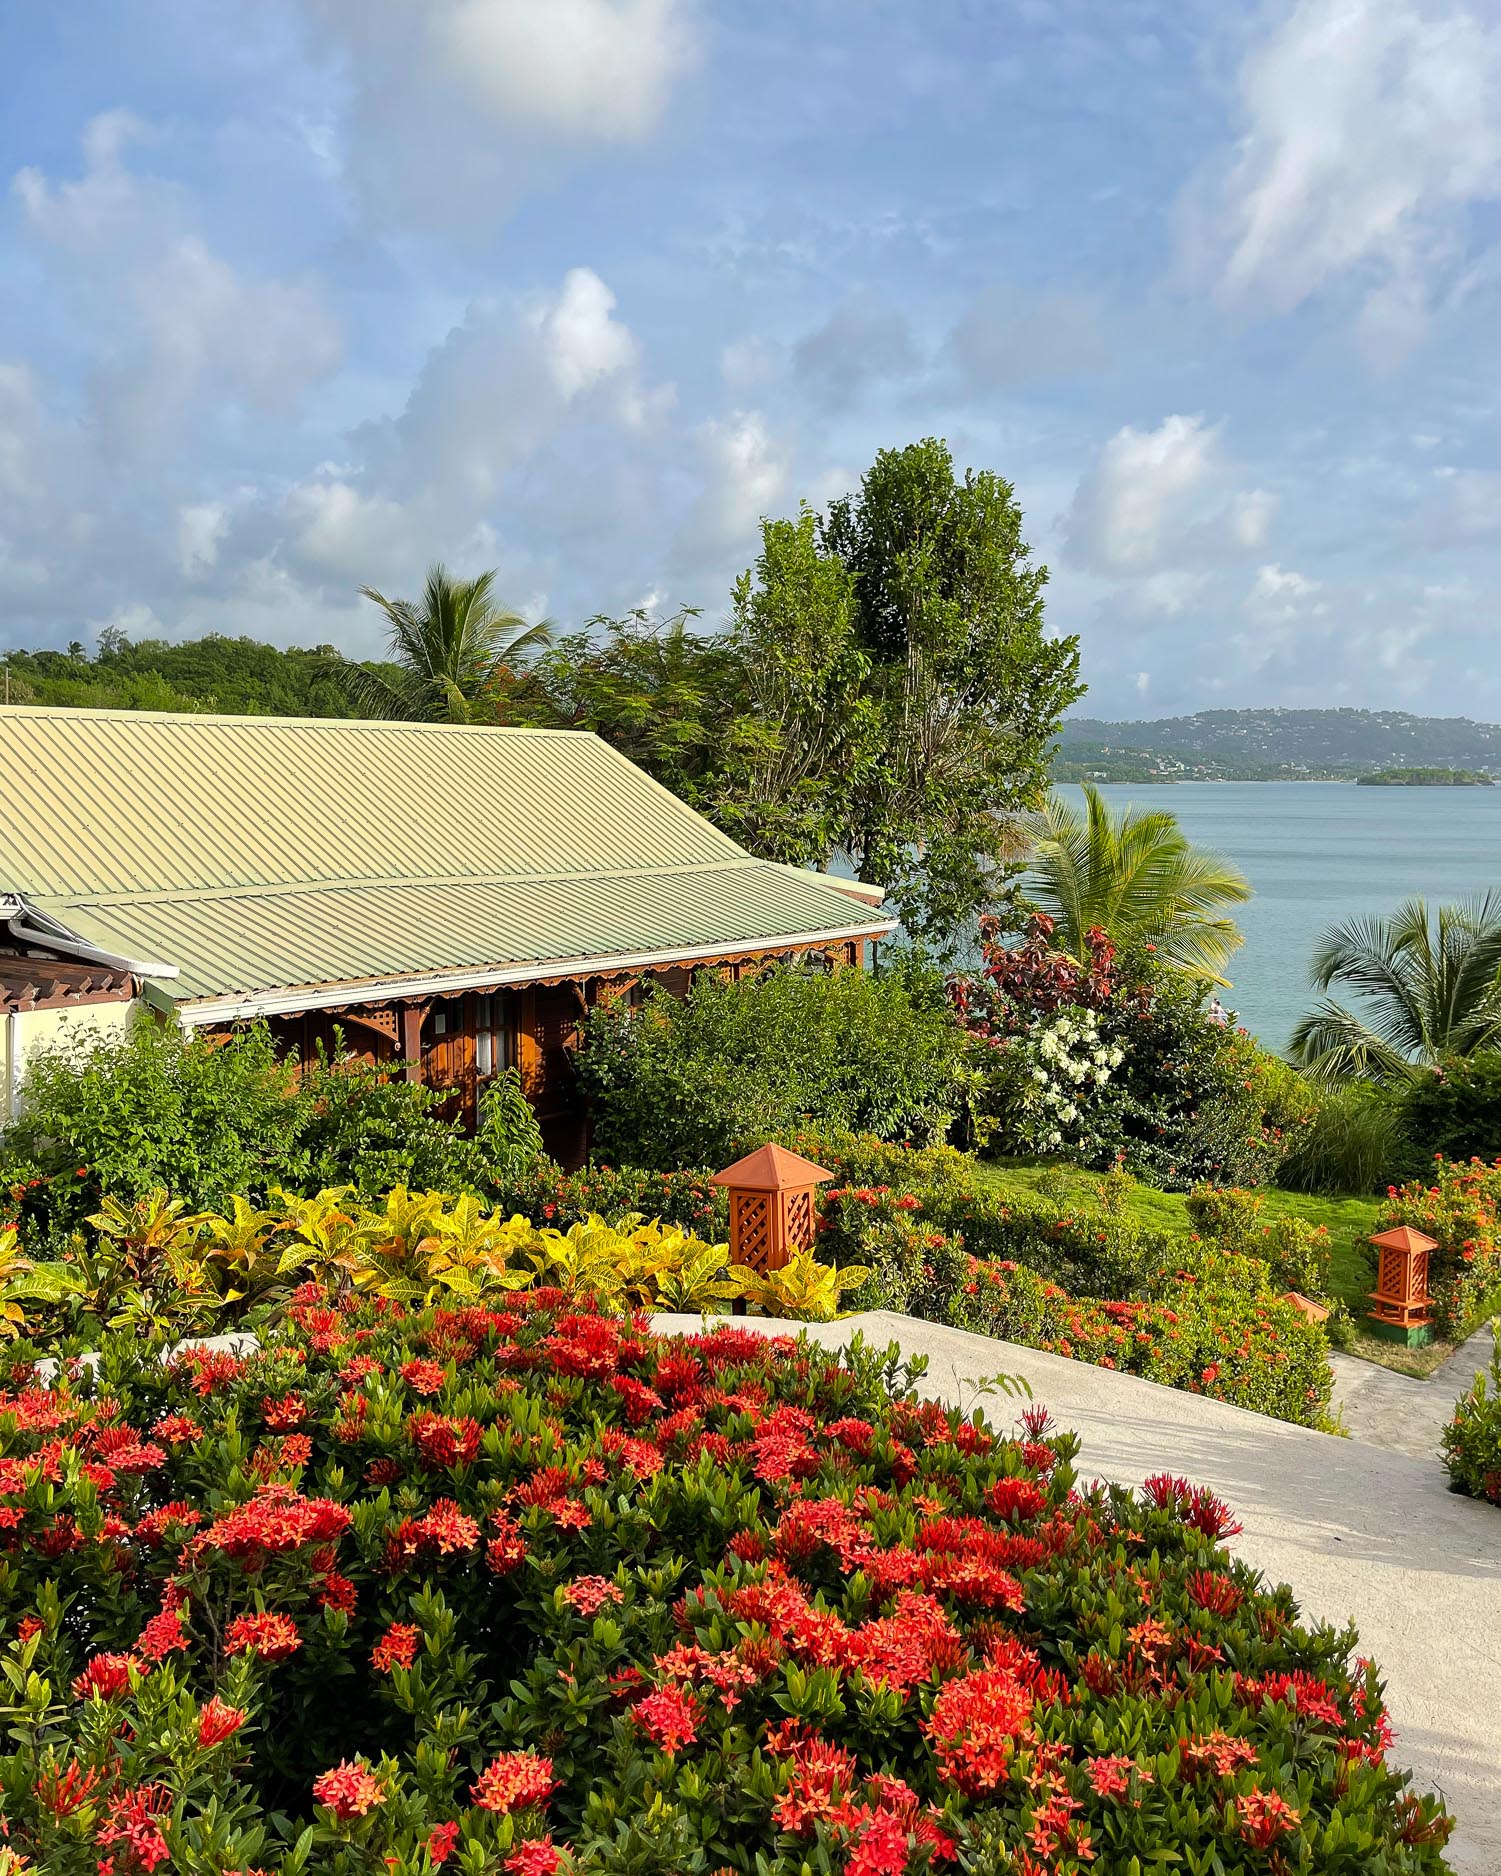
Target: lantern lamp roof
{"x":1403,"y":1238}
{"x":771,"y":1168}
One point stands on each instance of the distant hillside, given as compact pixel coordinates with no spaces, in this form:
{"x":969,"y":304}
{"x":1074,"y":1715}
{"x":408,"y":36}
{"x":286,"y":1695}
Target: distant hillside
{"x":1322,"y":742}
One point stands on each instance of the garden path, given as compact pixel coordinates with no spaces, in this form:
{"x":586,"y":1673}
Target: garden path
{"x":1359,"y":1531}
{"x":1399,"y":1412}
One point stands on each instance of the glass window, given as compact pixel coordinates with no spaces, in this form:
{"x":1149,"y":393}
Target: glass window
{"x":492,"y":1034}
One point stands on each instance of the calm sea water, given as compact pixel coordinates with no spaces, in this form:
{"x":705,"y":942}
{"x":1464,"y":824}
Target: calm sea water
{"x":1319,"y":852}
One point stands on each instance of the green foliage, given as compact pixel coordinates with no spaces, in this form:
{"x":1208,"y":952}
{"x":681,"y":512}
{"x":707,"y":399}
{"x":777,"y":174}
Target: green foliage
{"x":237,"y":676}
{"x":1081,"y":1281}
{"x":1430,"y":990}
{"x":968,"y":688}
{"x":455,"y":655}
{"x":664,"y":694}
{"x":1354,"y":1141}
{"x":811,"y":730}
{"x":211,"y":1118}
{"x":1455,"y":1109}
{"x":700,"y":1079}
{"x":156,"y":1109}
{"x":1136,"y":877}
{"x":507,"y":1134}
{"x":547,"y":1195}
{"x":1193,"y":1100}
{"x":1472,"y":1439}
{"x":1296,"y":1252}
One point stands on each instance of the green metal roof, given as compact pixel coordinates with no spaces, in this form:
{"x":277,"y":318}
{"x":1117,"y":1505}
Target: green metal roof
{"x":274,"y":854}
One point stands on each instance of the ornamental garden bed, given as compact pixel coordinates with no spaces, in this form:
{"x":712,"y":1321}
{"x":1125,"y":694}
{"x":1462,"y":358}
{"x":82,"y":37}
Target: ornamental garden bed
{"x":526,"y":1588}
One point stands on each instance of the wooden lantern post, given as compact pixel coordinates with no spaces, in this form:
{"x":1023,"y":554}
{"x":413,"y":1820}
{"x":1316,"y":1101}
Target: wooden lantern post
{"x":771,"y":1205}
{"x":1401,"y":1293}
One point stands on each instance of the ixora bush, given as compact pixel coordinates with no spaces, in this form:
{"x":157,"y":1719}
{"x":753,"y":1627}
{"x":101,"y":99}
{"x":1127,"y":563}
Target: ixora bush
{"x":1198,"y":1314}
{"x":533,"y":1591}
{"x":1472,"y":1439}
{"x":1118,"y":1060}
{"x":698,"y":1080}
{"x":1459,"y":1204}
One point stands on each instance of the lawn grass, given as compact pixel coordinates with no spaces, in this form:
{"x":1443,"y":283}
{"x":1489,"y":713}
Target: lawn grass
{"x":1349,"y":1221}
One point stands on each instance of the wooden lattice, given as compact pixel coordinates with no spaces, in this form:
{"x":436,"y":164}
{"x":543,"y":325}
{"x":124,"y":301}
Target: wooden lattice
{"x":750,"y":1230}
{"x":799,"y":1220}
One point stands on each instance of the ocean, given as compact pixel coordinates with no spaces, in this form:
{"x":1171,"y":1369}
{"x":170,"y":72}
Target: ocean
{"x":1317,"y":853}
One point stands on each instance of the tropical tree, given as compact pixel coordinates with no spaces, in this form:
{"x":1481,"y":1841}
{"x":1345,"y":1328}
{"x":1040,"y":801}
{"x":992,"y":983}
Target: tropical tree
{"x":1431,"y":989}
{"x":454,"y":652}
{"x":1136,"y":877}
{"x":967,"y":685}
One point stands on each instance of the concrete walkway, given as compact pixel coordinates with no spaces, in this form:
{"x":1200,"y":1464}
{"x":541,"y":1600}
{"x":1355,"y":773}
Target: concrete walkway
{"x":1399,"y":1411}
{"x":1358,"y":1531}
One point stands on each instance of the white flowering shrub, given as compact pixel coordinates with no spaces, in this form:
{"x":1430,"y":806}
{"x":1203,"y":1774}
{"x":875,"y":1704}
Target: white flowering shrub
{"x":1052,"y":1078}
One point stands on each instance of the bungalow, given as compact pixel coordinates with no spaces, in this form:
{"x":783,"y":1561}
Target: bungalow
{"x":451,"y":898}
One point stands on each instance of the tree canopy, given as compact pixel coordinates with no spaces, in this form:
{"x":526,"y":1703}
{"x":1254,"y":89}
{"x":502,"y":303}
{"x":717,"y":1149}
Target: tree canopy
{"x":1429,"y":987}
{"x":1136,"y":877}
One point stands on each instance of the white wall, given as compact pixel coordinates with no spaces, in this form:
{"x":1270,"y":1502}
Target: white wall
{"x":27,"y":1032}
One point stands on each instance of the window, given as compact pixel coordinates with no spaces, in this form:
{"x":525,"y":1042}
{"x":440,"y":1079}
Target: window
{"x":492,"y":1034}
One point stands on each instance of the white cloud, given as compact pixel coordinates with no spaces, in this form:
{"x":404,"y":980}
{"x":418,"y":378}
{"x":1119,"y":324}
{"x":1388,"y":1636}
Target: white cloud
{"x":1371,"y":127}
{"x":201,"y":526}
{"x":1279,"y":595}
{"x":587,"y":71}
{"x":745,"y":475}
{"x":1251,"y":517}
{"x":1130,"y":507}
{"x":459,"y":107}
{"x":175,"y":318}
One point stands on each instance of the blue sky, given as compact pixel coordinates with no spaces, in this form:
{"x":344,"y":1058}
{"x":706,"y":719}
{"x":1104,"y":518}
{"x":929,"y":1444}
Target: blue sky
{"x":303,"y":294}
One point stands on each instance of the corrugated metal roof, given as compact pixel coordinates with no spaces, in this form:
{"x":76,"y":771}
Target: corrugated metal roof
{"x":260,"y":853}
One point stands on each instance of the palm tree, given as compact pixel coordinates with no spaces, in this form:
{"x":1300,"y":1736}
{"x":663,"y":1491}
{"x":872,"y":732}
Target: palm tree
{"x":1138,"y":879}
{"x":453,"y":649}
{"x":1430,"y":993}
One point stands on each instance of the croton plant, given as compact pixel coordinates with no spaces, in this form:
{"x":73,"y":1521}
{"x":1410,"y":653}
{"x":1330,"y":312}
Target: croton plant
{"x":530,"y":1590}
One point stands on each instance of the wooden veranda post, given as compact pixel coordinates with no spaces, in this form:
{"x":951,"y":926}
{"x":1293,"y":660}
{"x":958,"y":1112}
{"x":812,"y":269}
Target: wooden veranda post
{"x":1401,"y":1292}
{"x":771,"y":1205}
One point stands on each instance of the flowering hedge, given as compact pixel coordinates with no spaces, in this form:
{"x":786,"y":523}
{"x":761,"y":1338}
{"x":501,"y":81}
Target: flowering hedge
{"x":531,"y":1590}
{"x":1472,"y":1439}
{"x":1459,"y":1204}
{"x":1175,"y":1310}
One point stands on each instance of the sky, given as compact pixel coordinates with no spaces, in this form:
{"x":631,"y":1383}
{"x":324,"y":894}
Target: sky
{"x":301,"y":295}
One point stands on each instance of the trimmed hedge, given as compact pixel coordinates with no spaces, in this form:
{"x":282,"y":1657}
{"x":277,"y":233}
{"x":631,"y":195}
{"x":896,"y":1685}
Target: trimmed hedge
{"x":532,"y":1591}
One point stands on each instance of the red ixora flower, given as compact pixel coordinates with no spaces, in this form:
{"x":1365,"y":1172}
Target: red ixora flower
{"x":1262,"y":1817}
{"x":589,"y":1594}
{"x":441,"y":1840}
{"x":274,"y":1636}
{"x":540,"y":1857}
{"x":976,"y":1720}
{"x":397,"y":1648}
{"x":349,"y":1789}
{"x":424,"y":1377}
{"x":107,"y":1676}
{"x":218,"y":1721}
{"x":134,"y":1824}
{"x":513,"y":1781}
